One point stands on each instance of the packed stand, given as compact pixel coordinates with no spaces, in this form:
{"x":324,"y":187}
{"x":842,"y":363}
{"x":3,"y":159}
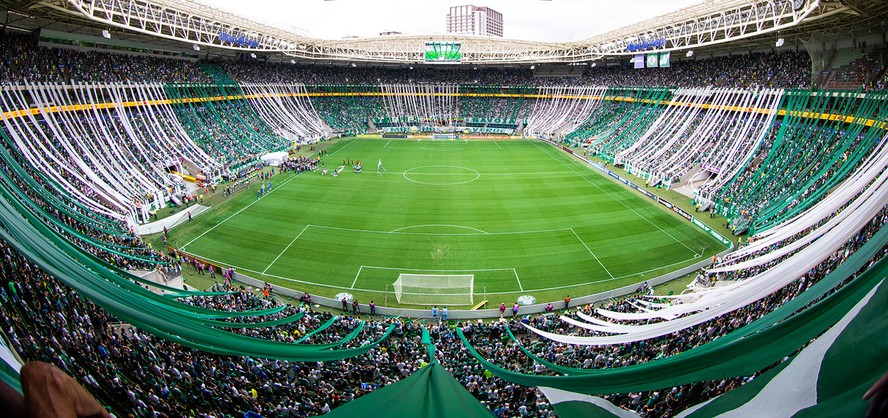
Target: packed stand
{"x":23,"y":60}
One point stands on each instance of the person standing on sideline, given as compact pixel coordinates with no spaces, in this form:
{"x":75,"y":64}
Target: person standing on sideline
{"x":444,"y":313}
{"x":345,"y":304}
{"x":435,"y":312}
{"x":566,"y":301}
{"x":372,"y":308}
{"x":515,"y":309}
{"x":355,"y":306}
{"x":502,"y":309}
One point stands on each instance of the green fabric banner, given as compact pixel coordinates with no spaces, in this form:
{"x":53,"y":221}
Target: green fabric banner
{"x":431,"y":392}
{"x":743,"y":352}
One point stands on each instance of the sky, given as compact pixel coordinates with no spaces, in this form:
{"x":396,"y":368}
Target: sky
{"x":555,"y":20}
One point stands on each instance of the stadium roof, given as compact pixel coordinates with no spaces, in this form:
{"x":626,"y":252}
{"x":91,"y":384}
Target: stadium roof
{"x":184,"y":25}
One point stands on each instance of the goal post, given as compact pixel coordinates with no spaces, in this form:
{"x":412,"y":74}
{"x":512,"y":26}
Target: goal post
{"x":435,"y":289}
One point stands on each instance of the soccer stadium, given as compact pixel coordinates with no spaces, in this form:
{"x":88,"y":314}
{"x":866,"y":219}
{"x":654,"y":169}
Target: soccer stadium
{"x":205,"y":214}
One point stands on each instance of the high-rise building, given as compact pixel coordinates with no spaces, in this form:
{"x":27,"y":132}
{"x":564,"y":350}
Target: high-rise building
{"x":475,"y":20}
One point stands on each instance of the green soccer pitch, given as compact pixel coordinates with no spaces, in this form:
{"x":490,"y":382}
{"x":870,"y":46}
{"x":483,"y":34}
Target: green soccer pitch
{"x":522,"y":216}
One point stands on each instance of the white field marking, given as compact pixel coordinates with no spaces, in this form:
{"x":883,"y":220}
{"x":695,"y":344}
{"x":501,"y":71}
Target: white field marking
{"x":497,"y":144}
{"x":442,"y":149}
{"x":449,"y":271}
{"x":285,"y":249}
{"x":394,"y":231}
{"x":387,"y":143}
{"x":617,"y":200}
{"x":343,"y":147}
{"x":477,"y":175}
{"x":539,"y":173}
{"x":543,"y":289}
{"x":356,"y":277}
{"x":236,"y":213}
{"x":436,"y":234}
{"x":251,"y":204}
{"x":515,"y":272}
{"x":593,"y":254}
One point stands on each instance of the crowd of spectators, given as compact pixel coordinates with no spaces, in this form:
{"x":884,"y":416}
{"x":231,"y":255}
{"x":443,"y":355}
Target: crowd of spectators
{"x":788,"y":69}
{"x":134,"y":372}
{"x":23,"y":60}
{"x":860,"y":73}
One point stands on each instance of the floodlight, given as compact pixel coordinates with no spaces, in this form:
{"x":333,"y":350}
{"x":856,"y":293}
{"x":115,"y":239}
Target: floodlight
{"x":252,"y":55}
{"x":196,"y":47}
{"x":780,"y":42}
{"x":532,"y":67}
{"x":690,"y":54}
{"x":106,"y":34}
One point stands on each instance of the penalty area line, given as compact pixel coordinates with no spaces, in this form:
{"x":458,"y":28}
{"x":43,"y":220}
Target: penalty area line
{"x":356,"y":277}
{"x":615,"y":199}
{"x":593,"y":254}
{"x":285,"y":249}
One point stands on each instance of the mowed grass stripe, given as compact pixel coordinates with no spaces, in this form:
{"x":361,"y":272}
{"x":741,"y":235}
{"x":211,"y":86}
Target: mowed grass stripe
{"x":626,"y":232}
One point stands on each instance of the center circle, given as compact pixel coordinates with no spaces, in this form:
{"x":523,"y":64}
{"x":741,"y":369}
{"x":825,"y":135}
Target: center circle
{"x":441,"y":175}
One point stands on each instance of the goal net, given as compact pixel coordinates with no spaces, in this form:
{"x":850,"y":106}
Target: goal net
{"x":435,"y":289}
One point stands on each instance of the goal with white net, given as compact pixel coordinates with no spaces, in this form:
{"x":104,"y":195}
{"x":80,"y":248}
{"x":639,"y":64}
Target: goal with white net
{"x":435,"y":289}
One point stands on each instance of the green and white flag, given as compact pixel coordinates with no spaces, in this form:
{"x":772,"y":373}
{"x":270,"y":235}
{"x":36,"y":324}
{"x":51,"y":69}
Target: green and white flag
{"x":826,"y":379}
{"x":578,"y":405}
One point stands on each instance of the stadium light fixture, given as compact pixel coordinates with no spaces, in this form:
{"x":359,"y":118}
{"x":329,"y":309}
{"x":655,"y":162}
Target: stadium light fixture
{"x":780,"y":42}
{"x":252,"y":55}
{"x":532,"y":67}
{"x":292,"y":61}
{"x":106,"y":34}
{"x":354,"y":65}
{"x":594,"y":64}
{"x":196,"y":47}
{"x":690,"y":54}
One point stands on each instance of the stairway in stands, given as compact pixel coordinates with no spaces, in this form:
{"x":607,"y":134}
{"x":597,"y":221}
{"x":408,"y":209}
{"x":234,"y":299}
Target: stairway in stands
{"x":219,"y":76}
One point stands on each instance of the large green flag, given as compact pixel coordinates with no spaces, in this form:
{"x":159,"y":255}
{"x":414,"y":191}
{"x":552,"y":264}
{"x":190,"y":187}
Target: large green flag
{"x":428,"y":393}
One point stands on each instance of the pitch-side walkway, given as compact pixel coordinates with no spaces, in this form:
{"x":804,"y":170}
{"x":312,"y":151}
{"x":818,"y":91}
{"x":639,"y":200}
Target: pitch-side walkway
{"x":170,"y":221}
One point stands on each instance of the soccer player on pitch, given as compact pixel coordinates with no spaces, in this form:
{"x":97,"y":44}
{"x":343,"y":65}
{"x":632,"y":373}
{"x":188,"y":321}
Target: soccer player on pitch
{"x":379,"y":168}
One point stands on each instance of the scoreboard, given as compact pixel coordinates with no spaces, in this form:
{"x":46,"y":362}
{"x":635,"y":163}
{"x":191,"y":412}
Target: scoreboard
{"x":443,"y":52}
